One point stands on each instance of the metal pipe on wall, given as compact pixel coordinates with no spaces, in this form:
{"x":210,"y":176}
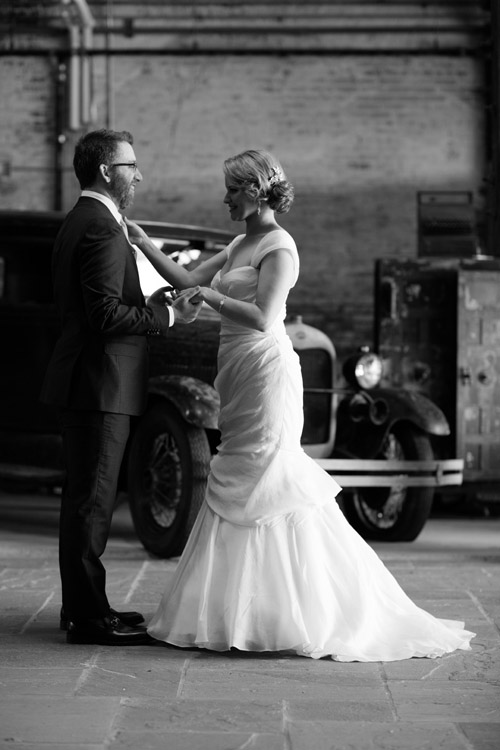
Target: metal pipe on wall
{"x":87,"y":26}
{"x":74,"y":79}
{"x":61,"y":85}
{"x":86,"y":78}
{"x":110,"y":115}
{"x":73,"y":87}
{"x":493,"y":185}
{"x":79,"y":76}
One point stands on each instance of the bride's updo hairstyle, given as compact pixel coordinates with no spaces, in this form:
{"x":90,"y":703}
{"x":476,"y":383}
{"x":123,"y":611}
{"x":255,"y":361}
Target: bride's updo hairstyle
{"x":261,"y":177}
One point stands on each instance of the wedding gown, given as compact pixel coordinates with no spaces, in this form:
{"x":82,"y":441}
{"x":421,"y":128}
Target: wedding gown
{"x":271,"y":563}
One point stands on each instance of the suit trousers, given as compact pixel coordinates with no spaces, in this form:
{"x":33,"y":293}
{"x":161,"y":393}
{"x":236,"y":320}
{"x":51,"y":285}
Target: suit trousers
{"x":94,"y":443}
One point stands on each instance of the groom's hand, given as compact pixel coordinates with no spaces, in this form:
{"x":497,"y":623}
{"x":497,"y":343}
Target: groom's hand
{"x":187,"y":305}
{"x":160,"y":302}
{"x":161,"y":297}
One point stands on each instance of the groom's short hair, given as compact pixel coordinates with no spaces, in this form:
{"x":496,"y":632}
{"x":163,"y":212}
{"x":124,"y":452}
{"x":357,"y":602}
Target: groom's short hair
{"x":96,"y":148}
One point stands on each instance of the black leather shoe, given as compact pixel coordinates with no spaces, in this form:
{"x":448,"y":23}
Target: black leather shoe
{"x":110,"y":631}
{"x":128,"y":618}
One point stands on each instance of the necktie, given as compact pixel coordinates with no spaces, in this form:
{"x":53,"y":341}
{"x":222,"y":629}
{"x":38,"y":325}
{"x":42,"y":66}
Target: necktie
{"x":125,"y":229}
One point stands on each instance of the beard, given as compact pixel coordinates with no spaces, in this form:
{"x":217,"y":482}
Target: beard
{"x":122,"y":191}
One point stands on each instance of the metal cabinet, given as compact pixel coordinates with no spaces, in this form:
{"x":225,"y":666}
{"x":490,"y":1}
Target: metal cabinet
{"x":437,"y":327}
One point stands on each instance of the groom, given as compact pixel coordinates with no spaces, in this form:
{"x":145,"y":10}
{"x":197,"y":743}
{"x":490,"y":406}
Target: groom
{"x":98,"y":375}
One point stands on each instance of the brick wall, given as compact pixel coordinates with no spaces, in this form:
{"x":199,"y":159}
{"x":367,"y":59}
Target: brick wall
{"x":27,"y":132}
{"x":359,"y":135}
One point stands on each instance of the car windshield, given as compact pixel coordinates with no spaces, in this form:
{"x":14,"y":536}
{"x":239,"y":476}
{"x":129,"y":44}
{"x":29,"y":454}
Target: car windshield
{"x":181,"y":251}
{"x":27,"y":239}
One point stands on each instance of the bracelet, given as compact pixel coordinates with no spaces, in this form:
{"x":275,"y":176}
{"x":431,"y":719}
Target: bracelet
{"x":221,"y":303}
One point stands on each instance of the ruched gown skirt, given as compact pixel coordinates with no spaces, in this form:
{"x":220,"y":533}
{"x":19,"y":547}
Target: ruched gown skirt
{"x":271,"y":563}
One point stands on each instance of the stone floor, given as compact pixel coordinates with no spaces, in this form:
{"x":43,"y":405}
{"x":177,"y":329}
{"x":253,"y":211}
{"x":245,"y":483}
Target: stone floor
{"x":61,"y":697}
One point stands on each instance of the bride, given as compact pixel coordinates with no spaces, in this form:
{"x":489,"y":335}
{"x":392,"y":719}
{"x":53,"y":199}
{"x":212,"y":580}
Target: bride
{"x":271,"y":563}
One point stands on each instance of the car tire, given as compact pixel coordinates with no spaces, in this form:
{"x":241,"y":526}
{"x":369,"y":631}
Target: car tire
{"x":393,"y":514}
{"x":168,"y":465}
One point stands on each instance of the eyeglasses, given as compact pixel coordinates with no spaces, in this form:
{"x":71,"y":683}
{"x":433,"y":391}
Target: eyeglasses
{"x":131,"y":164}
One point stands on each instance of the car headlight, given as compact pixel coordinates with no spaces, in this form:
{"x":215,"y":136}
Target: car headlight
{"x":364,"y":370}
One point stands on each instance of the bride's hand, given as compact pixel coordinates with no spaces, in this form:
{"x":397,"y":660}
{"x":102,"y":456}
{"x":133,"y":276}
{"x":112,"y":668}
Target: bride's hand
{"x":136,"y":234}
{"x":187,"y":304}
{"x":195,"y":298}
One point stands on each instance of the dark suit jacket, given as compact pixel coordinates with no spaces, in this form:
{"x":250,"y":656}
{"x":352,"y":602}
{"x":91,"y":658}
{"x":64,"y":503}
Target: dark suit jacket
{"x":100,"y":361}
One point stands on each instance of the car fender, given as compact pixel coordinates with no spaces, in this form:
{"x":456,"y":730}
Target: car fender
{"x":414,"y":407}
{"x":362,"y":437}
{"x":197,"y":402}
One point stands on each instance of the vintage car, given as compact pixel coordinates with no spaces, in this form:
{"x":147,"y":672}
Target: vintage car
{"x":375,"y":441}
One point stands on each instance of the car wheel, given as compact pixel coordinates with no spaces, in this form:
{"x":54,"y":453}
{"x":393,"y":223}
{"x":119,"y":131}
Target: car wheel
{"x":168,"y":466}
{"x":393,"y":513}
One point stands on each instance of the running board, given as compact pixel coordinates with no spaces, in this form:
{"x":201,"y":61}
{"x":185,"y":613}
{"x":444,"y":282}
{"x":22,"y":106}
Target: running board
{"x":39,"y":474}
{"x":354,"y":472}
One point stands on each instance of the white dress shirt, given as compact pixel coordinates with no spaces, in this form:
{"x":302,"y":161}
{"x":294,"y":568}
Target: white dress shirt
{"x":119,"y":218}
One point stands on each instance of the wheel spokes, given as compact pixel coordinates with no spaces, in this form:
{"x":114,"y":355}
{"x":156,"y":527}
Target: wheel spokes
{"x":163,"y":480}
{"x":385,"y":513}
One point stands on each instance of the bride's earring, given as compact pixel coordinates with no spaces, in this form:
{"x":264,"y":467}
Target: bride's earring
{"x":258,"y":209}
